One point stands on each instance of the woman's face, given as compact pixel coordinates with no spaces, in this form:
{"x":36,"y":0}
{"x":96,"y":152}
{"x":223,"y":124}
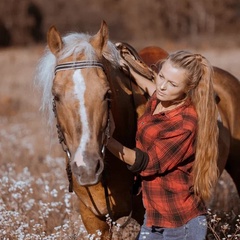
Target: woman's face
{"x":171,"y":83}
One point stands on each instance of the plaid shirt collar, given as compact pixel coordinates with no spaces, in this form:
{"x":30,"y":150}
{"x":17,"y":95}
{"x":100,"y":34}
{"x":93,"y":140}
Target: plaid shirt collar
{"x":169,"y":113}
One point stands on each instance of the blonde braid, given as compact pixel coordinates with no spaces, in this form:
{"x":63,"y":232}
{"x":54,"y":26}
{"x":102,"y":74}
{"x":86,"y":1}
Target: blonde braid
{"x":205,"y":170}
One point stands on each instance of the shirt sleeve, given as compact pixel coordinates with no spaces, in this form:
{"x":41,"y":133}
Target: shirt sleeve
{"x":167,"y":152}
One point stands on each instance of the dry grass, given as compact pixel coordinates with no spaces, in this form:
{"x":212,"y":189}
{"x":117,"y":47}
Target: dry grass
{"x":34,"y":202}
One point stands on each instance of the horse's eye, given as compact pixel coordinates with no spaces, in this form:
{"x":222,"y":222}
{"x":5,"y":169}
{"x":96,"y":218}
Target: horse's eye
{"x":107,"y":96}
{"x":56,"y":98}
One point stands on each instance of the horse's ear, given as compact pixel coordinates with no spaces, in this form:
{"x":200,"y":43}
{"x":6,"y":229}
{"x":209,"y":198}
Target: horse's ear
{"x":99,"y":41}
{"x":54,"y":40}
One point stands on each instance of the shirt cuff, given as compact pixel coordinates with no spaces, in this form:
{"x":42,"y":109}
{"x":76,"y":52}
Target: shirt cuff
{"x":140,"y":163}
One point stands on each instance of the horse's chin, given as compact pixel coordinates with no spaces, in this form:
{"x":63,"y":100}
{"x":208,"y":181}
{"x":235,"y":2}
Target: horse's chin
{"x":88,"y":182}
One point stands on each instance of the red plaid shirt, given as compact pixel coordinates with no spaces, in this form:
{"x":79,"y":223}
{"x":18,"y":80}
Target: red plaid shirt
{"x":167,"y":186}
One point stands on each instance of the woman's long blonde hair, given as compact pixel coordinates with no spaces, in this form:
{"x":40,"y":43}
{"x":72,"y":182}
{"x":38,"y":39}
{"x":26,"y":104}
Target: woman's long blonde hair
{"x":199,"y":73}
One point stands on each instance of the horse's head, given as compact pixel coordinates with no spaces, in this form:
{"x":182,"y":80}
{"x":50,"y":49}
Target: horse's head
{"x":81,"y":94}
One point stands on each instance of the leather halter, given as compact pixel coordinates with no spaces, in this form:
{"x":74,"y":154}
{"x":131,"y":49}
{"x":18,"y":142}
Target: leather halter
{"x":61,"y":138}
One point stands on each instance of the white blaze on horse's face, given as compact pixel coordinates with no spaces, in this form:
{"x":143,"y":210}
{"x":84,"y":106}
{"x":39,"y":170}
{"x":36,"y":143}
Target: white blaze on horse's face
{"x":79,"y":90}
{"x":89,"y":90}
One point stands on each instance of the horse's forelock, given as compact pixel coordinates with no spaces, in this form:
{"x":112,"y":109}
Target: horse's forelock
{"x":76,"y":43}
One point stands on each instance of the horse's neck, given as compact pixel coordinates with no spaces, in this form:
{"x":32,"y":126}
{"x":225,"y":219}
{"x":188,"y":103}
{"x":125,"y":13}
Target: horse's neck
{"x":128,"y":103}
{"x":121,"y":87}
{"x":122,"y":105}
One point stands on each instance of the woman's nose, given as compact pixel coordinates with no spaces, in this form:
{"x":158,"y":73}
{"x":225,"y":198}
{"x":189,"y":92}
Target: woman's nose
{"x":163,"y":86}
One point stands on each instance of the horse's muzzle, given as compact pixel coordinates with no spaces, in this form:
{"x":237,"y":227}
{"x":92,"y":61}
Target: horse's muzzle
{"x":89,"y":173}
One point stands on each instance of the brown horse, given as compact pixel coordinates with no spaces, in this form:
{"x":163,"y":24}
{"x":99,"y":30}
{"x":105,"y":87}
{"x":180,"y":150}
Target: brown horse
{"x":81,"y":75}
{"x":227,"y":88}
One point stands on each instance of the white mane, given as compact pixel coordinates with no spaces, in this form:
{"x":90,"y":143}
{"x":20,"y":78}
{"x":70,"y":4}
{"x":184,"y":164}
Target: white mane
{"x":74,"y":44}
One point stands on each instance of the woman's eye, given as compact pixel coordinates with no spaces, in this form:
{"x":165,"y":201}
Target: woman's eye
{"x":160,"y":75}
{"x":173,"y":84}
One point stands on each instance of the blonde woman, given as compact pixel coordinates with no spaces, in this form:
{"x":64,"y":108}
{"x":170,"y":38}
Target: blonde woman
{"x":176,"y":148}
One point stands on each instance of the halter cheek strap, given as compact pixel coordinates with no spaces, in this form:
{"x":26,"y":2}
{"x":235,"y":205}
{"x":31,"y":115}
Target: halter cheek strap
{"x":78,"y":65}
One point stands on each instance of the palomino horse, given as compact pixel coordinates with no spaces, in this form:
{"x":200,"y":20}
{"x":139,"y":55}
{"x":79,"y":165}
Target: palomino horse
{"x":227,"y":89}
{"x":81,"y":75}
